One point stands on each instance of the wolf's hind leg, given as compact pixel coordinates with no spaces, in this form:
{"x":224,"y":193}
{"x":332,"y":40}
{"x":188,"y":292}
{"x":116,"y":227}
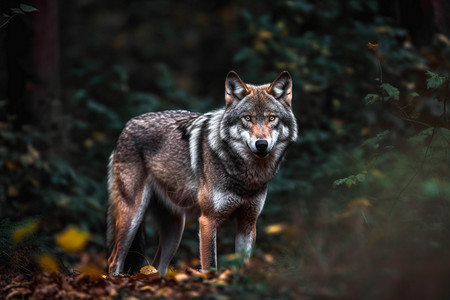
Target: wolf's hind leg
{"x":170,"y":226}
{"x":128,"y":215}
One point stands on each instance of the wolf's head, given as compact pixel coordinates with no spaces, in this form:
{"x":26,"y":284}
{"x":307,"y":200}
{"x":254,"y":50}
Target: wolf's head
{"x":259,"y":119}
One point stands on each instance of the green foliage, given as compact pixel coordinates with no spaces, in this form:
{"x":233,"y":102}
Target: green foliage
{"x":352,"y":179}
{"x":435,"y":81}
{"x":48,"y":187}
{"x":391,"y":93}
{"x":372,"y":98}
{"x":21,"y":10}
{"x":374,"y":142}
{"x":27,"y":8}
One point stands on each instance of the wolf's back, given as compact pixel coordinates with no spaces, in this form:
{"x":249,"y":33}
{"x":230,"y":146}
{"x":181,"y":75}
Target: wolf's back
{"x":155,"y":133}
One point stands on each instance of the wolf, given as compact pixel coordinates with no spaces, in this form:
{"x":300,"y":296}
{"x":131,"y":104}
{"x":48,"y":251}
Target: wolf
{"x":211,"y":166}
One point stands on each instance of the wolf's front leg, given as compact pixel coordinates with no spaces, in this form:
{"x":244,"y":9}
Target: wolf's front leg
{"x":208,"y":248}
{"x":246,"y":236}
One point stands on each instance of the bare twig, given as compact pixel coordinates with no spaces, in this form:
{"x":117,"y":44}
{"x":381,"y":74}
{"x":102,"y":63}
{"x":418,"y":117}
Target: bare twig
{"x":8,"y":19}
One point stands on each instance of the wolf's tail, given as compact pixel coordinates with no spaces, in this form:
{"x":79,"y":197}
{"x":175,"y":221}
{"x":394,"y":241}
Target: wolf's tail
{"x":110,"y":224}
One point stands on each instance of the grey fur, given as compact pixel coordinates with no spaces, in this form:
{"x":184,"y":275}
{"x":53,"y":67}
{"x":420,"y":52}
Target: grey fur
{"x":181,"y":163}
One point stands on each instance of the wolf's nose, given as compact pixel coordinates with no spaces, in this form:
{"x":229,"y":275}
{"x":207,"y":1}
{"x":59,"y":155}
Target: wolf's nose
{"x":261,"y":145}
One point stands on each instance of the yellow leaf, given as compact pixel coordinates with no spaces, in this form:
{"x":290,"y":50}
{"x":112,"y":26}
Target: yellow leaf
{"x":170,"y":274}
{"x":48,"y":264}
{"x":180,"y":277}
{"x":269,"y":258}
{"x":233,"y":256}
{"x":147,"y":270}
{"x":225,"y":275}
{"x":264,"y":34}
{"x":372,"y":46}
{"x":275,"y":228}
{"x":91,"y":272}
{"x":218,"y":282}
{"x":24,"y":230}
{"x":72,"y":239}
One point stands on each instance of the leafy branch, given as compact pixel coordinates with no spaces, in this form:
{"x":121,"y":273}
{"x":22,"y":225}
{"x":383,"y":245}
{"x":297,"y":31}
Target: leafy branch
{"x":388,"y":94}
{"x":21,"y":10}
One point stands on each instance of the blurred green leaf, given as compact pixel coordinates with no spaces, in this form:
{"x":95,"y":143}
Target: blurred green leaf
{"x":372,"y":98}
{"x":351,"y":180}
{"x":391,"y":92}
{"x":17,"y":10}
{"x":374,"y":141}
{"x":435,"y":81}
{"x":27,"y":8}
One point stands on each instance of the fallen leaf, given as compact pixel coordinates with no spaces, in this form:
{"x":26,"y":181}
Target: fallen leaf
{"x":269,"y":258}
{"x":150,"y":288}
{"x":72,"y":239}
{"x":147,"y":270}
{"x":48,"y":264}
{"x":180,"y":277}
{"x":91,"y":272}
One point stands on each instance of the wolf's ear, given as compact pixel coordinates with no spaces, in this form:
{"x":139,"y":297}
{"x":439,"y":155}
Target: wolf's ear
{"x":281,"y":88}
{"x":235,"y":88}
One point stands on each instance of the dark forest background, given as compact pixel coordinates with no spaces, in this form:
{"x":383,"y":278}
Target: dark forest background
{"x":360,"y":207}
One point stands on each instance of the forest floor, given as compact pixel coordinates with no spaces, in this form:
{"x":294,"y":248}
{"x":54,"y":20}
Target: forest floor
{"x":89,"y":282}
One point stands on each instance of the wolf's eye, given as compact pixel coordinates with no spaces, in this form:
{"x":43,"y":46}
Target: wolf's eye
{"x":247,"y":118}
{"x":272,"y":118}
